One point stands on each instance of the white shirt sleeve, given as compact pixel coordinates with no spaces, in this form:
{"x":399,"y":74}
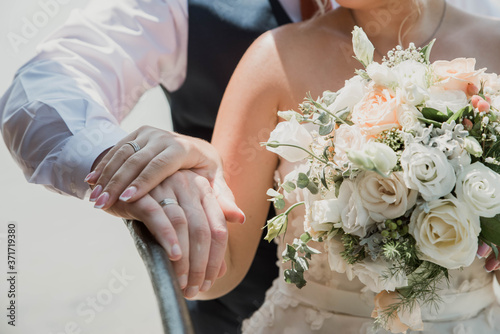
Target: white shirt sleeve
{"x":63,"y":107}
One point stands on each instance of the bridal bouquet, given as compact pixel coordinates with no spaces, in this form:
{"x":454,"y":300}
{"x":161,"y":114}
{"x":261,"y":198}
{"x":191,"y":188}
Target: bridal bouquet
{"x":402,"y":179}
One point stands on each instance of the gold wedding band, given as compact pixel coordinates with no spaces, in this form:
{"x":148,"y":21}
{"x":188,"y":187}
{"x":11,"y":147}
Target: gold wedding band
{"x":167,"y":201}
{"x":134,"y":145}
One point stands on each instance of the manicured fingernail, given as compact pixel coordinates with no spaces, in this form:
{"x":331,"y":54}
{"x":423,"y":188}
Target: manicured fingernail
{"x":128,"y":193}
{"x":483,"y":250}
{"x":89,"y":176}
{"x":101,"y":201}
{"x":492,"y":265}
{"x":206,"y":286}
{"x":191,"y":291}
{"x":95,"y":193}
{"x":176,"y":251}
{"x":244,"y":217}
{"x":183,"y":281}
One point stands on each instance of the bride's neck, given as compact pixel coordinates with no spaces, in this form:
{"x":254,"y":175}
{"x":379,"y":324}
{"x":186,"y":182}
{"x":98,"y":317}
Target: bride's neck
{"x":400,"y":22}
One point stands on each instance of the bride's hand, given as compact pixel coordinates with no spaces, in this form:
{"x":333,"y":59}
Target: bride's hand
{"x":191,"y":227}
{"x":491,"y":263}
{"x":126,"y":174}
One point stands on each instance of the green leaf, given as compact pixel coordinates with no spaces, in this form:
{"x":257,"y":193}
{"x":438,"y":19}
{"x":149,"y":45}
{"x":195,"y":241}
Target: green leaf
{"x":305,"y":237}
{"x":460,"y":114}
{"x":493,"y":167}
{"x":279,"y":204}
{"x":289,"y":252}
{"x":337,"y":187}
{"x":324,"y":118}
{"x":490,"y":229}
{"x":326,"y":129}
{"x":426,"y":51}
{"x":428,"y":121}
{"x":289,"y":186}
{"x":322,"y":178}
{"x":302,"y":264}
{"x":435,"y":115}
{"x":494,"y":151}
{"x":313,"y":188}
{"x":302,"y":180}
{"x":273,"y":193}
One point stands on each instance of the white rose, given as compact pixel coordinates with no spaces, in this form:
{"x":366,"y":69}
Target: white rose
{"x":441,"y":99}
{"x":427,"y":169}
{"x":385,"y":197}
{"x":374,"y":157}
{"x":479,"y":187}
{"x":291,"y":133}
{"x":363,"y":48}
{"x":355,"y":218}
{"x":373,"y":275}
{"x":323,"y":213}
{"x":446,"y":232}
{"x":347,"y":138}
{"x":352,"y":92}
{"x":381,"y":74}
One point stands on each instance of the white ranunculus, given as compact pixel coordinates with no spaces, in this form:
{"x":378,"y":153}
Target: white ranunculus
{"x":363,"y":48}
{"x":292,"y":133}
{"x":288,"y":114}
{"x":347,"y":138}
{"x":355,"y":218}
{"x":374,"y":156}
{"x":428,"y":170}
{"x":412,"y":80}
{"x":439,"y":99}
{"x":349,"y":95}
{"x":371,"y":273}
{"x":446,"y":232}
{"x":382,"y":75}
{"x":408,"y":118}
{"x":385,"y":197}
{"x":479,"y":187}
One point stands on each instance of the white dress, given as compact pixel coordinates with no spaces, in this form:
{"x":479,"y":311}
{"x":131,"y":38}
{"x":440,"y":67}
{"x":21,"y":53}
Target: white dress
{"x":330,"y":303}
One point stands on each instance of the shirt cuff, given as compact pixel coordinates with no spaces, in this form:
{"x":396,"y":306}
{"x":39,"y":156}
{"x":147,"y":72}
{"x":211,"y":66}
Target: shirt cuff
{"x":79,"y":153}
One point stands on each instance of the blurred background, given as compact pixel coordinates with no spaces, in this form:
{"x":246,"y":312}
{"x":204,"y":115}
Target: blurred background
{"x":78,"y":270}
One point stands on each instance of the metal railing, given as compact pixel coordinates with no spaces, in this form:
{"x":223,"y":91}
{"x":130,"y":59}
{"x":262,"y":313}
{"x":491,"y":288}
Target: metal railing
{"x":173,"y":309}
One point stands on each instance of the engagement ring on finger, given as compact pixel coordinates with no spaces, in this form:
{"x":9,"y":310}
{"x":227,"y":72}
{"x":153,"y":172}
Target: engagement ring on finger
{"x":167,"y":201}
{"x":134,"y":145}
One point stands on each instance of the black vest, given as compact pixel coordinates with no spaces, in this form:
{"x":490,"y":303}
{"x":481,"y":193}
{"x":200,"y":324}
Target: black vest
{"x":220,"y":31}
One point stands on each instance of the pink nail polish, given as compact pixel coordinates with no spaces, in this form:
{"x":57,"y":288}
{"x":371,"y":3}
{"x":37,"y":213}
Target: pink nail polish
{"x":101,"y":201}
{"x":95,"y":193}
{"x":244,"y":217}
{"x":89,"y":176}
{"x":128,"y":193}
{"x":176,"y":251}
{"x":483,"y":250}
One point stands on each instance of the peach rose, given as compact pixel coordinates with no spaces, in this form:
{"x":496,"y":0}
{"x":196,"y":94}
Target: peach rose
{"x":402,"y":320}
{"x":377,"y":112}
{"x":458,"y":73}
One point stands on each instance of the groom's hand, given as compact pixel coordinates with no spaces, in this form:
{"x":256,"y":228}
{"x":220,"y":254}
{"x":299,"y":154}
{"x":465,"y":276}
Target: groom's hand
{"x":197,"y":224}
{"x":192,"y":227}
